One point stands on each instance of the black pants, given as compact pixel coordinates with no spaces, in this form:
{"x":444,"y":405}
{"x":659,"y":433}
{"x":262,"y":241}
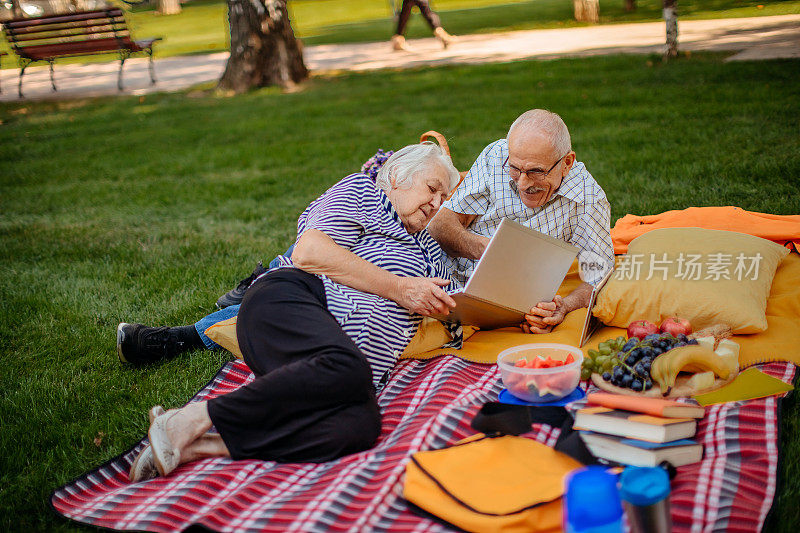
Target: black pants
{"x":424,"y":8}
{"x":313,"y":399}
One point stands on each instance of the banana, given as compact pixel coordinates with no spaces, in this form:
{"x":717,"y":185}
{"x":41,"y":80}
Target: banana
{"x":692,"y":358}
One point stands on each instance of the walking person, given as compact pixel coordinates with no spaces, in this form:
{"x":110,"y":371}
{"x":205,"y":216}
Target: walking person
{"x":399,"y":42}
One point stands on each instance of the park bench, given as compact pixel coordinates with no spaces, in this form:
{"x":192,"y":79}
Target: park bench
{"x":74,"y":34}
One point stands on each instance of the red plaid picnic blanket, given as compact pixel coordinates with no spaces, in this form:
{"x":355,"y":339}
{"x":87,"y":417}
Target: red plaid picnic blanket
{"x":426,"y":404}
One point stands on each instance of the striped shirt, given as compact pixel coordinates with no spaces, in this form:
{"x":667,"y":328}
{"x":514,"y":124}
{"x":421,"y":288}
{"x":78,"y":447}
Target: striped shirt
{"x":359,"y":217}
{"x":578,"y":212}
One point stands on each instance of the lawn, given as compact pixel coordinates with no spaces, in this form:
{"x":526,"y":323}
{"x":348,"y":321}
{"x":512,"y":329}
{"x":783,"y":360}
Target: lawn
{"x":148,"y":208}
{"x":201,"y":27}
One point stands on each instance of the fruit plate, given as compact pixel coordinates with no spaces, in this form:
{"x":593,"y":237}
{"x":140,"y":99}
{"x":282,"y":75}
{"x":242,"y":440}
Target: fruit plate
{"x":680,"y":390}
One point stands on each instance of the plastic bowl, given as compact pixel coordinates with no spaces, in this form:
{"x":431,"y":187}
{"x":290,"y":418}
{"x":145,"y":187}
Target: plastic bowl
{"x":540,"y":384}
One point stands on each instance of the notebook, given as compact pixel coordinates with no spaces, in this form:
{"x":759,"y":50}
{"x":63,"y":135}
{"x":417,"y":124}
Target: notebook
{"x":519,"y":268}
{"x":750,"y":384}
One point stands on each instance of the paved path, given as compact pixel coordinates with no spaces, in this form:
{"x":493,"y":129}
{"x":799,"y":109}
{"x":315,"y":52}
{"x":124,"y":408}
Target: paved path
{"x":753,"y":38}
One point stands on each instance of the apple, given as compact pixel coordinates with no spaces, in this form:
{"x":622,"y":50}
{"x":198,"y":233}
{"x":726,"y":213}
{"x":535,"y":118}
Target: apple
{"x":641,"y":329}
{"x":675,"y":326}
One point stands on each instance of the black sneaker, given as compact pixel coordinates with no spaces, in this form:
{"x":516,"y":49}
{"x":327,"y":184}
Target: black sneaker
{"x":138,"y":344}
{"x":234,"y":296}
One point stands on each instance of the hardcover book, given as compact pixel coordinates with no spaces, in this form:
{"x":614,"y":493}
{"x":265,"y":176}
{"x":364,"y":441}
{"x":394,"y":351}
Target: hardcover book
{"x":641,"y":453}
{"x":634,"y":425}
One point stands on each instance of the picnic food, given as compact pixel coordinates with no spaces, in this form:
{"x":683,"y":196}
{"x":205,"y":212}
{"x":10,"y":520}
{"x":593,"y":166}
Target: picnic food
{"x":695,"y":359}
{"x":701,"y":380}
{"x":675,"y":326}
{"x":641,"y":329}
{"x":540,"y":372}
{"x":602,"y":359}
{"x":725,"y":348}
{"x":718,"y":331}
{"x":627,"y":364}
{"x":540,"y":362}
{"x":636,"y":365}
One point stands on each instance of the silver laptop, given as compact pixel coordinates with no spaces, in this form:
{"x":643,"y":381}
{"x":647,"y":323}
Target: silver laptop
{"x":519,"y":268}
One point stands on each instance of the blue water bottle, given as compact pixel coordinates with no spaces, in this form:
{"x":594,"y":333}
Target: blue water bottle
{"x":591,"y":502}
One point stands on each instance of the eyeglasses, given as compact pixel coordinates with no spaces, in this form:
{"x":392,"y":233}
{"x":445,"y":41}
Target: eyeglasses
{"x":533,"y":174}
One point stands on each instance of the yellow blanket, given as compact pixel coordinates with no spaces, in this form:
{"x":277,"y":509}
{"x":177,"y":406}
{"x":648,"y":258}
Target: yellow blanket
{"x":780,"y":342}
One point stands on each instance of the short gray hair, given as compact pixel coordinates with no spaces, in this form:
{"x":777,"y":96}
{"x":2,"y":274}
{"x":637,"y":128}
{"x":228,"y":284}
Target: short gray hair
{"x":416,"y":159}
{"x":548,"y":123}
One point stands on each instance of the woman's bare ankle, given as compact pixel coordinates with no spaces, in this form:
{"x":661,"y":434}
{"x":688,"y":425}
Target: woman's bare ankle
{"x":188,"y":424}
{"x":205,"y":446}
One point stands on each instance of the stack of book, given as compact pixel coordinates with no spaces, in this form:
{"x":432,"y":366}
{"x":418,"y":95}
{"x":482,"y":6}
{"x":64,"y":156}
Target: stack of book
{"x":639,"y":431}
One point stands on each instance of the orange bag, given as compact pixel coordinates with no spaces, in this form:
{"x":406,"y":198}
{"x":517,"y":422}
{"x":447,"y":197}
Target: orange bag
{"x":486,"y":484}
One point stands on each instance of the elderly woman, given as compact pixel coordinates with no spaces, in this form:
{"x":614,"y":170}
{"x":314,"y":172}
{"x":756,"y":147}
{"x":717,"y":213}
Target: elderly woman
{"x":322,"y":330}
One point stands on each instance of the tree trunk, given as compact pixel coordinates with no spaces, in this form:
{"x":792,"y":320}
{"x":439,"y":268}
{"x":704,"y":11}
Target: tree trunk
{"x":671,"y":20}
{"x":264,"y":50}
{"x":169,"y":7}
{"x":586,"y":10}
{"x":60,"y":7}
{"x":16,"y":9}
{"x":630,"y":5}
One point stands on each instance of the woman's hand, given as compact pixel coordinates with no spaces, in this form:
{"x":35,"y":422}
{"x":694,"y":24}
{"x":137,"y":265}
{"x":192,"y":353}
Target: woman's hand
{"x":424,"y":296}
{"x":316,"y":253}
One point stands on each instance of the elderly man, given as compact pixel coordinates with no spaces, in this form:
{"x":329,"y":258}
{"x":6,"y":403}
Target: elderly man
{"x":533,"y":178}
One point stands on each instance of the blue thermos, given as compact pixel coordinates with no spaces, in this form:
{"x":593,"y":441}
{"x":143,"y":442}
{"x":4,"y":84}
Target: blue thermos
{"x":645,"y":495}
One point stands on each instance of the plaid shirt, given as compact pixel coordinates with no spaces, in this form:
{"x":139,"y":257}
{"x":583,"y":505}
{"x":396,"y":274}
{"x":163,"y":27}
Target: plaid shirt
{"x":578,"y":212}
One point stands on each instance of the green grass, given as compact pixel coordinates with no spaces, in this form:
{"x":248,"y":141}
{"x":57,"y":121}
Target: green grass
{"x":202,"y":25}
{"x":147,"y":209}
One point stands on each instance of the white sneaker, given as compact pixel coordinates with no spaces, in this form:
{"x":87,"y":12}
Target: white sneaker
{"x":399,"y":44}
{"x":144,"y":466}
{"x":165,"y":455}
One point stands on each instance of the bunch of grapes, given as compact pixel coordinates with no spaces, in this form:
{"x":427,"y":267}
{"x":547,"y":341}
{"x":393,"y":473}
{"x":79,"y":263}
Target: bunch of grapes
{"x":603,"y":359}
{"x":627,"y":363}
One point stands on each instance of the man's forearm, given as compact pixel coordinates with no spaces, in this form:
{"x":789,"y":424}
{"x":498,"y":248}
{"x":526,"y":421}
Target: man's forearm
{"x":467,"y":244}
{"x":449,"y":230}
{"x":578,"y":298}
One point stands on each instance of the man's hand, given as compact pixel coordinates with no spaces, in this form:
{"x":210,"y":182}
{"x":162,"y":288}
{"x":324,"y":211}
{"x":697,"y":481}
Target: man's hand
{"x":544,"y":316}
{"x":424,"y":296}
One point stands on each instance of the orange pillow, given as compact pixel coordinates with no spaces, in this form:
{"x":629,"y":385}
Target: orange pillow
{"x":706,"y":276}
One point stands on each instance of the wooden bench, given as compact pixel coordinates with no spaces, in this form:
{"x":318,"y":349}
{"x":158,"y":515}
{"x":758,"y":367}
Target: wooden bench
{"x":74,"y":34}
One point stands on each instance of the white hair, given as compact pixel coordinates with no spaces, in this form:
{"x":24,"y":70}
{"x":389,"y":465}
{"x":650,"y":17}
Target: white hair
{"x":548,"y":123}
{"x":415,"y":160}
